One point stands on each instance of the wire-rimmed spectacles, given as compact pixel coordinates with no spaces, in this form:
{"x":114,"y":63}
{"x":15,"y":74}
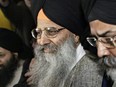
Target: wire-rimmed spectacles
{"x":109,"y":42}
{"x":50,"y":32}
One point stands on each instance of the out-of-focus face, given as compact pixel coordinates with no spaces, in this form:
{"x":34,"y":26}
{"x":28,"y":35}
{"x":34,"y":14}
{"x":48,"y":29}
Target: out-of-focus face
{"x":5,"y":57}
{"x":105,"y":33}
{"x":8,"y":65}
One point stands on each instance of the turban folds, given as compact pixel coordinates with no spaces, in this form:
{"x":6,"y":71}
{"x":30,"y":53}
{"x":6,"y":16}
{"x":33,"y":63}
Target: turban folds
{"x":104,"y":10}
{"x":71,"y":14}
{"x":66,"y":13}
{"x":9,"y":40}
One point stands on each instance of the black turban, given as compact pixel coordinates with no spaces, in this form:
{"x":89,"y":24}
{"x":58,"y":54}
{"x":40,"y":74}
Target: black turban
{"x":71,"y":14}
{"x":9,"y":40}
{"x":66,"y":13}
{"x":104,"y":10}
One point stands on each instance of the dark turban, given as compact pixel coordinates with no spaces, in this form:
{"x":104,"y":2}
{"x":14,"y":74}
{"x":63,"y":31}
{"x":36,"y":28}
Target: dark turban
{"x":66,"y":13}
{"x":104,"y":10}
{"x":9,"y":40}
{"x":71,"y":14}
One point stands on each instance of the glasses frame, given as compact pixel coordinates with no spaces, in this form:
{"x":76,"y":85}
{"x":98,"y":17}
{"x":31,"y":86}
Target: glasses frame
{"x":46,"y":28}
{"x":100,"y":39}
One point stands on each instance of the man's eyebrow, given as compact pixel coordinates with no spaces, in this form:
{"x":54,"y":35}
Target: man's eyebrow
{"x":105,"y":33}
{"x":1,"y":53}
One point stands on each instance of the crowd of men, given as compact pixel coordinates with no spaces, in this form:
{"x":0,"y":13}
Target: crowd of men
{"x":72,"y":45}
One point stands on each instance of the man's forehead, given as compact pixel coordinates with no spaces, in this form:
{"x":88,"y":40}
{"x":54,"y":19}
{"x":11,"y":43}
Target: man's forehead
{"x":44,"y":21}
{"x":102,"y":29}
{"x":103,"y":33}
{"x":41,"y":15}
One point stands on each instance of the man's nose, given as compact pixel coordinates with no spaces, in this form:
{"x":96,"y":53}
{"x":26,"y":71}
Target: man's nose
{"x":102,"y":50}
{"x":43,"y":40}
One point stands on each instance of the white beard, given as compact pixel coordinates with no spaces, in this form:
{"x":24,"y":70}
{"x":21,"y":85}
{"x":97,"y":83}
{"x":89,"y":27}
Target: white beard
{"x":112,"y":73}
{"x":51,"y":69}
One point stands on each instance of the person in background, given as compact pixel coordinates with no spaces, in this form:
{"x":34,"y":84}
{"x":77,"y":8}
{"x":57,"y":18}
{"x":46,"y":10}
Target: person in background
{"x":60,"y":60}
{"x":4,"y":22}
{"x":12,"y":55}
{"x":102,"y":19}
{"x":18,"y":13}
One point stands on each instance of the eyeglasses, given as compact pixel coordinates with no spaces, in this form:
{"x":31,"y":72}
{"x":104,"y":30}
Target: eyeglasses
{"x":109,"y":42}
{"x":50,"y":32}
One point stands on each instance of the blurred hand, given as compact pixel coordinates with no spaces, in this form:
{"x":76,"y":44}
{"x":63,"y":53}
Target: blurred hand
{"x":29,"y":78}
{"x":29,"y":73}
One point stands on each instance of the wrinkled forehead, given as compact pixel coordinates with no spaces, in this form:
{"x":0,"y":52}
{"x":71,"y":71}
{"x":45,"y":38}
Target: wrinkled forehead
{"x":44,"y":21}
{"x":100,"y":28}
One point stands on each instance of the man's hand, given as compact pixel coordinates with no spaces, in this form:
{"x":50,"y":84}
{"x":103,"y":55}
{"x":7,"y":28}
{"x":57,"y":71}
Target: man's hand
{"x":4,"y":3}
{"x":29,"y":76}
{"x":29,"y":73}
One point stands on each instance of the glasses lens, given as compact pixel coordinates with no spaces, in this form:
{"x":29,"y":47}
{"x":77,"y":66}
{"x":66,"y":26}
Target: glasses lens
{"x":108,"y":42}
{"x":115,"y":41}
{"x":51,"y":31}
{"x":33,"y":32}
{"x":36,"y":33}
{"x":92,"y":41}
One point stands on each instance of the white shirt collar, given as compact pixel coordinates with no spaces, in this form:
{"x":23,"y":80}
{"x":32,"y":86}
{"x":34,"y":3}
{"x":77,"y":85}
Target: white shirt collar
{"x":80,"y":52}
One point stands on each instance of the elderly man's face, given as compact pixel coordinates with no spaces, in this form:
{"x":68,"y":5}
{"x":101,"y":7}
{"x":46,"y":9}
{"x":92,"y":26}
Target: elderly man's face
{"x":53,"y":38}
{"x":5,"y":57}
{"x":49,"y":34}
{"x":106,"y":43}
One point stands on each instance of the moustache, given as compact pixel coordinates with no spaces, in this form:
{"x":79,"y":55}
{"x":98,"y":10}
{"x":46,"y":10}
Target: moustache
{"x":46,"y":46}
{"x":109,"y":61}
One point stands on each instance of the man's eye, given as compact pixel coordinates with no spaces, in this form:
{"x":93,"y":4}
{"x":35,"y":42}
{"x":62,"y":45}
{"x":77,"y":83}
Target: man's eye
{"x":53,"y":32}
{"x":106,"y":40}
{"x":38,"y":32}
{"x":115,"y":39}
{"x":2,"y":55}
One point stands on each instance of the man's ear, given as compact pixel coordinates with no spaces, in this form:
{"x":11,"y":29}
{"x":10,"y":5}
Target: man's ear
{"x":76,"y":38}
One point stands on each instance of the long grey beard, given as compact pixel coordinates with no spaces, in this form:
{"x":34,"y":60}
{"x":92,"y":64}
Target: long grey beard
{"x":51,"y":69}
{"x":112,"y":73}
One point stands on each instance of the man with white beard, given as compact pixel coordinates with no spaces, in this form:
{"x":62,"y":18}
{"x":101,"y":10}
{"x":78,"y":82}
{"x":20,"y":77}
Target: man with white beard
{"x":60,"y":60}
{"x":102,"y":20}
